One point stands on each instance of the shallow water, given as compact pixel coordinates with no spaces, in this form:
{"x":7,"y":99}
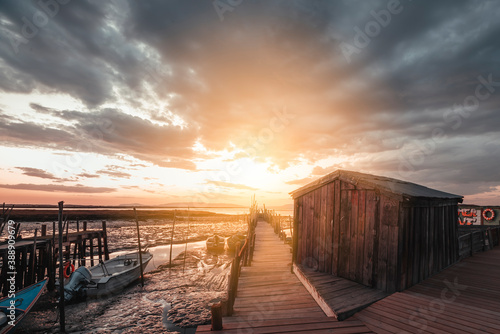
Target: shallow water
{"x":161,"y":254}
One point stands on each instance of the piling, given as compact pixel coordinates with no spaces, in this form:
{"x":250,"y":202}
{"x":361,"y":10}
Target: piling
{"x":62,"y":319}
{"x":139,"y":245}
{"x":216,"y":310}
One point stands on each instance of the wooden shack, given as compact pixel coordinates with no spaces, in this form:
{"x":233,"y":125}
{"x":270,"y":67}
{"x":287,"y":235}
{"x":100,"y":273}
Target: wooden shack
{"x":377,"y":231}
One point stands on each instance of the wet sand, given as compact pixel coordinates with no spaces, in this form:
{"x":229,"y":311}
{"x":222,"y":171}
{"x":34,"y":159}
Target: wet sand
{"x":171,"y":297}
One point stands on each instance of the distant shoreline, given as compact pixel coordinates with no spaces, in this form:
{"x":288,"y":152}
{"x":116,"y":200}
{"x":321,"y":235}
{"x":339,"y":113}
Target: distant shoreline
{"x":39,"y":214}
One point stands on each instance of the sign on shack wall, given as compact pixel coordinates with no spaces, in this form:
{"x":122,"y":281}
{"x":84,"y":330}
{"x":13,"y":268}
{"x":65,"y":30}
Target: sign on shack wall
{"x":469,"y":216}
{"x":478,"y":215}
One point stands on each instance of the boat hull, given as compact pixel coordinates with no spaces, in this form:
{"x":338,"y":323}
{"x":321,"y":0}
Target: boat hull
{"x":105,"y":285}
{"x":24,"y":301}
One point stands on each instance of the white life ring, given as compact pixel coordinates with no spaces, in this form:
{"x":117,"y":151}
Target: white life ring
{"x":490,"y":217}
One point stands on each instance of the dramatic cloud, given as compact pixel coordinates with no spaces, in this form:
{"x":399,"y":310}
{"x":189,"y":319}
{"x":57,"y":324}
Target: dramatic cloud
{"x":404,"y":88}
{"x":36,"y":172}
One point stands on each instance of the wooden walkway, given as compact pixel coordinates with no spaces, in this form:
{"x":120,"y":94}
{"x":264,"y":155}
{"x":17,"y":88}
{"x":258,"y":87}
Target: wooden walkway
{"x":338,"y":297}
{"x":271,"y":299}
{"x":464,"y":298}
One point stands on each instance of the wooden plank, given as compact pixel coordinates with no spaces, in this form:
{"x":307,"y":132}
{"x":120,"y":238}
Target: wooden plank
{"x":323,"y":248}
{"x":336,"y":227}
{"x":353,"y":222}
{"x":402,"y":247}
{"x":392,"y":258}
{"x":416,"y":223}
{"x":360,"y":236}
{"x":310,"y":229}
{"x":329,"y":207}
{"x":303,"y":231}
{"x":344,"y":233}
{"x":313,"y":325}
{"x":369,"y":236}
{"x":382,"y":246}
{"x":316,"y":221}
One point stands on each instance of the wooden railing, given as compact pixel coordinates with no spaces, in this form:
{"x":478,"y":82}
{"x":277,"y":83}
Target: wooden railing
{"x":478,"y":239}
{"x":243,"y":258}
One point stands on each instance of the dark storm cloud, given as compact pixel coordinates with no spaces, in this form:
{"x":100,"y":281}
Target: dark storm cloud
{"x":228,"y":79}
{"x":107,"y":132}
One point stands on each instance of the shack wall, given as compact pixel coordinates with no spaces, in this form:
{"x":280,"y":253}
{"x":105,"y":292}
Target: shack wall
{"x":374,"y":238}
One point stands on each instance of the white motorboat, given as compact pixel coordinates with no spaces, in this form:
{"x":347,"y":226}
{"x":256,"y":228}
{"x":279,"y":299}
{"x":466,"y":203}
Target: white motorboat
{"x":108,"y":277}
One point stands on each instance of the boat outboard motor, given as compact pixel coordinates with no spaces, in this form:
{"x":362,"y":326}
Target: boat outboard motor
{"x":79,"y":279}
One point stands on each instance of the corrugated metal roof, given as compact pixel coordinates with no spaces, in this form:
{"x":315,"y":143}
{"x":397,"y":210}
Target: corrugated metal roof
{"x":381,"y":182}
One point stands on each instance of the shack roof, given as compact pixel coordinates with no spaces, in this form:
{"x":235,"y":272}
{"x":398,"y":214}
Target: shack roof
{"x":379,"y":182}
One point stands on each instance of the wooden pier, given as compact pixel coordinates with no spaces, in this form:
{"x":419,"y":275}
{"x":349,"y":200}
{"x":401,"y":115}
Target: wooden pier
{"x":465,"y":298}
{"x":37,"y":258}
{"x":271,"y":299}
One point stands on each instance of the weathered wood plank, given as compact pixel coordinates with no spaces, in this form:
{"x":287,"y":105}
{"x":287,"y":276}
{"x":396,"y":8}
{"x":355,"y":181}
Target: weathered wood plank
{"x":317,"y":227}
{"x":344,"y":233}
{"x":454,"y":300}
{"x":329,"y":207}
{"x":382,"y":246}
{"x":370,"y":235}
{"x":353,"y":226}
{"x":321,"y":244}
{"x":360,"y":237}
{"x":336,"y":227}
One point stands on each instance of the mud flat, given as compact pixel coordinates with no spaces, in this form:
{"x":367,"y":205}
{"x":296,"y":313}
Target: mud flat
{"x":176,"y":298}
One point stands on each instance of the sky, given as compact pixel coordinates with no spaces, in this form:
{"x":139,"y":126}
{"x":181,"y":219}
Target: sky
{"x":154,"y":102}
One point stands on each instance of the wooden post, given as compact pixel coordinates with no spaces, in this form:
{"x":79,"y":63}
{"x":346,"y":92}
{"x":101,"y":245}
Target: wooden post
{"x":139,"y":246}
{"x":76,"y":254}
{"x":44,"y":230}
{"x":83,"y":251}
{"x":237,"y":270}
{"x":51,"y":269}
{"x":230,"y":290}
{"x":33,"y":263}
{"x":172,"y":242}
{"x":216,"y":310}
{"x":105,"y":240}
{"x":77,"y":226}
{"x":62,"y":318}
{"x":22,"y":276}
{"x":85,"y":225}
{"x":186,"y":246}
{"x":99,"y":247}
{"x":91,"y":241}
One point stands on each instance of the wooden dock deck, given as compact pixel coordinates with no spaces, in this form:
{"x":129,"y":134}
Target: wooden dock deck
{"x":338,"y":297}
{"x":271,"y":299}
{"x":464,"y":298}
